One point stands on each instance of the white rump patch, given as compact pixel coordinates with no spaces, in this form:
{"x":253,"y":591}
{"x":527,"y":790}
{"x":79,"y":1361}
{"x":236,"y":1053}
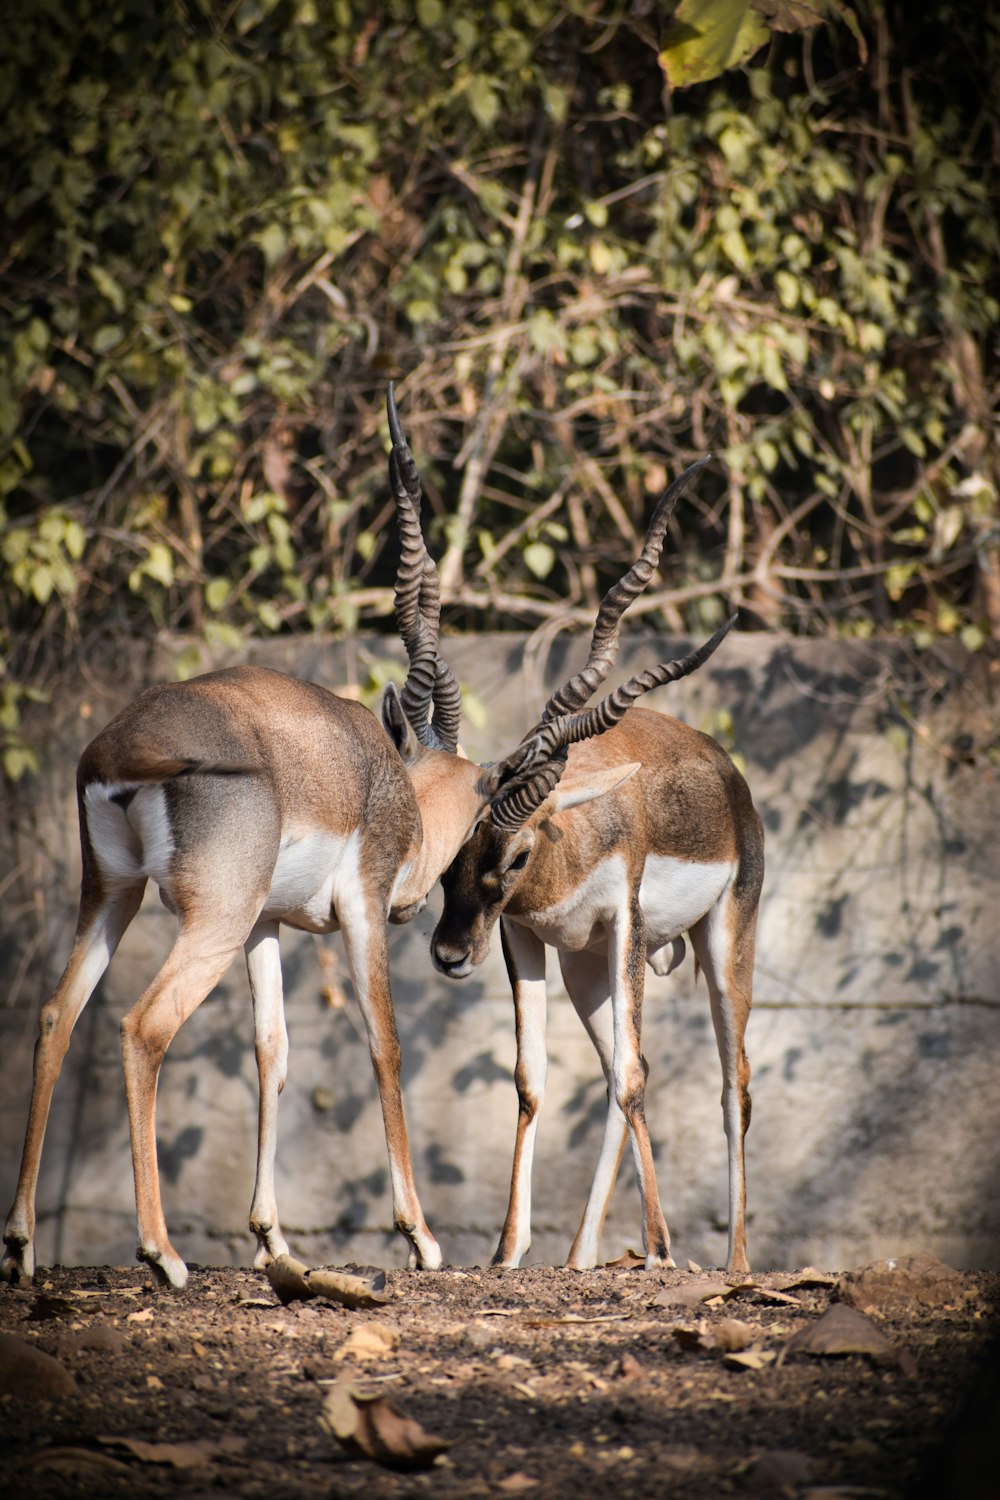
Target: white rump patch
{"x":134,"y":842}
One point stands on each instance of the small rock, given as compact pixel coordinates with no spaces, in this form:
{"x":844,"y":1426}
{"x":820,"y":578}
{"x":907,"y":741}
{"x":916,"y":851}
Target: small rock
{"x":731,"y":1335}
{"x":901,"y":1285}
{"x":780,"y":1469}
{"x":30,"y":1375}
{"x":97,"y":1336}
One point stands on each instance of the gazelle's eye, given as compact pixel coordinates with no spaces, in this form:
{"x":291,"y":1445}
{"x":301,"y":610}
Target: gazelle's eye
{"x":520,"y":860}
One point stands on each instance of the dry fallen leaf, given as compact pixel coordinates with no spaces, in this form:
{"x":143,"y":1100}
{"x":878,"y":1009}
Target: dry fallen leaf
{"x":629,"y":1260}
{"x":557,"y":1322}
{"x":769,"y":1294}
{"x":730,"y":1335}
{"x":516,"y":1484}
{"x":693,"y":1292}
{"x":842,"y":1330}
{"x":145,"y":1316}
{"x":508,"y":1362}
{"x":749,"y":1359}
{"x":369,"y":1426}
{"x":179,"y":1455}
{"x":288,"y":1277}
{"x":78,"y":1463}
{"x":368,"y":1341}
{"x":294,"y":1281}
{"x":46,"y":1306}
{"x":350,"y":1291}
{"x":808,"y":1277}
{"x":693,"y":1338}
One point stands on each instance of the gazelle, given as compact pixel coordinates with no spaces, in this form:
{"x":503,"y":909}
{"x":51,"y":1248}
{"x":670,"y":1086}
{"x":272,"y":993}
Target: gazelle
{"x":252,"y":799}
{"x":609,"y":853}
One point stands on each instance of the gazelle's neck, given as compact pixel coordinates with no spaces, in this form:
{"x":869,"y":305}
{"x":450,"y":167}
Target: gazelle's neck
{"x":450,"y":798}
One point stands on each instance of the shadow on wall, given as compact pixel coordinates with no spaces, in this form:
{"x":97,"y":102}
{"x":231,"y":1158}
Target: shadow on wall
{"x":873,"y":1043}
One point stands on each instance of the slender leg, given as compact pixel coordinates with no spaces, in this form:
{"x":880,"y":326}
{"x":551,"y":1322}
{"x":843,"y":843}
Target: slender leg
{"x":626,"y":967}
{"x":264,"y":969}
{"x":724,"y":943}
{"x":586,"y":979}
{"x":99,"y":932}
{"x":524,"y":955}
{"x":202,"y":953}
{"x":364,"y":933}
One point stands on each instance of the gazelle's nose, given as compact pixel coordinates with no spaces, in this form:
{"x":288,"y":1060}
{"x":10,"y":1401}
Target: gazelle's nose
{"x":450,"y":960}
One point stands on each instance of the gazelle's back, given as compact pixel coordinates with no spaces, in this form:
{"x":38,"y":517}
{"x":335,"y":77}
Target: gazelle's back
{"x":242,"y":763}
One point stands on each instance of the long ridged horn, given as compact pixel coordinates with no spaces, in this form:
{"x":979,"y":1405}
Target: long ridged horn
{"x":514,"y":805}
{"x":430,"y":682}
{"x":606,"y":639}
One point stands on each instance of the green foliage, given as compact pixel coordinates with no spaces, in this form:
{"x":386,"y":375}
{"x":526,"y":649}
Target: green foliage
{"x":705,"y":37}
{"x":228,"y":226}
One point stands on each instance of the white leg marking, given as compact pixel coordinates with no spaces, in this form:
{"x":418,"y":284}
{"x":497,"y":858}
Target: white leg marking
{"x":271,"y":1040}
{"x":586,"y":979}
{"x":524,"y":955}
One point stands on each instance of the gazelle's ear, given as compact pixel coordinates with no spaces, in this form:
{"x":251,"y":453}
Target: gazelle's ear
{"x":397,"y":726}
{"x":585,"y":788}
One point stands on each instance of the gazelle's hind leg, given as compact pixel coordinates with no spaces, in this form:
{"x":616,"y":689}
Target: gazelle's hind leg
{"x":589,"y":988}
{"x":271,"y":1040}
{"x":723,"y":942}
{"x":99,"y":931}
{"x":204,"y":949}
{"x":217,"y":876}
{"x":626,"y":969}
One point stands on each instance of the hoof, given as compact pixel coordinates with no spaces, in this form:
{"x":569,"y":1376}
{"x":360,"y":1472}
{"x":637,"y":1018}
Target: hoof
{"x":430,"y":1258}
{"x":660,"y":1263}
{"x":425,"y":1252}
{"x":509,"y":1257}
{"x":169,"y":1270}
{"x":18,"y":1264}
{"x":270,"y":1244}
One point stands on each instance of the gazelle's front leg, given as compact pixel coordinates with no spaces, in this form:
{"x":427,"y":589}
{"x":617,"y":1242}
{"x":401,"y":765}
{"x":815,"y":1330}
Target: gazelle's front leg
{"x":586,"y":979}
{"x":271,"y":1041}
{"x":524,"y":955}
{"x":626,"y":969}
{"x":363,"y":925}
{"x":98,"y":934}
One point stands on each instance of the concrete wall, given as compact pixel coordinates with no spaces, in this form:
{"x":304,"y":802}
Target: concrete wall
{"x":874,"y":1041}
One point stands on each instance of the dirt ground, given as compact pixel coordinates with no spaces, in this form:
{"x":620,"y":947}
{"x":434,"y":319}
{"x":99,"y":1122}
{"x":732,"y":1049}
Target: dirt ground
{"x":543,"y":1383}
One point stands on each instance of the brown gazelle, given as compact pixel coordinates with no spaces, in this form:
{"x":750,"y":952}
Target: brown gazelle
{"x":609,"y":853}
{"x":253,"y":799}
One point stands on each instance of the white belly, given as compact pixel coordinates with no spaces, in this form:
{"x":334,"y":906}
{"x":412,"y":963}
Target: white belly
{"x":676,"y":892}
{"x":582,"y":918}
{"x":673,"y":895}
{"x":312,"y":874}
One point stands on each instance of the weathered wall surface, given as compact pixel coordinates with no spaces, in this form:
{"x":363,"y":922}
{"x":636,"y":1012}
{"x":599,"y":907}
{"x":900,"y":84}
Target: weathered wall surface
{"x":874,"y":1043}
